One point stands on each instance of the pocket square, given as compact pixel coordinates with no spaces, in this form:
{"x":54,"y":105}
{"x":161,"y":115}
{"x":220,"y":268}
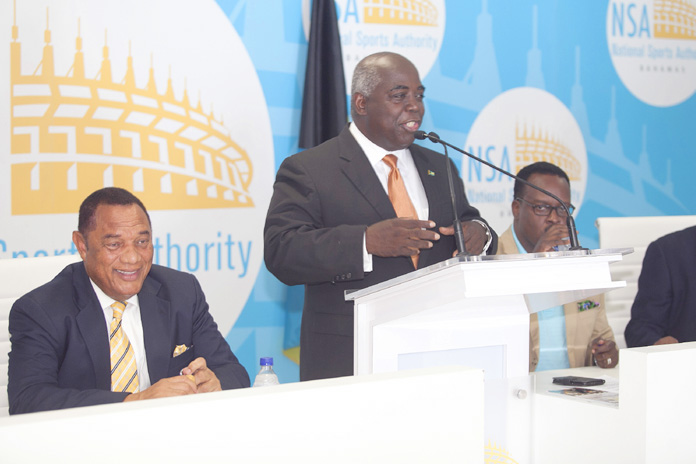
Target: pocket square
{"x":587,"y":304}
{"x":180,"y":349}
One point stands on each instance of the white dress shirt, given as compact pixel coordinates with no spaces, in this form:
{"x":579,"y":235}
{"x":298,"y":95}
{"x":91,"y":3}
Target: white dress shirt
{"x":408,"y":171}
{"x":405,"y":164}
{"x":412,"y":181}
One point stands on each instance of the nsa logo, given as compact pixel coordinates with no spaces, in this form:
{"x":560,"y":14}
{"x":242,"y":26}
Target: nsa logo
{"x":652,"y":44}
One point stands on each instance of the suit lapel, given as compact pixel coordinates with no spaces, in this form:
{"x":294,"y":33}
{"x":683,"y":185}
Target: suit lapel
{"x":358,"y":169}
{"x":155,"y":316}
{"x":432,"y":181}
{"x":92,"y":325}
{"x":571,"y":328}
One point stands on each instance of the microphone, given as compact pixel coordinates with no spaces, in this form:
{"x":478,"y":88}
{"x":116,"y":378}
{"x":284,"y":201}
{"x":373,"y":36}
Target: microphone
{"x":570,"y":222}
{"x":456,"y":222}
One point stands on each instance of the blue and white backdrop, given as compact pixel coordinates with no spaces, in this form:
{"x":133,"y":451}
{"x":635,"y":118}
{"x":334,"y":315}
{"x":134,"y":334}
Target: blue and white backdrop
{"x":193,"y":105}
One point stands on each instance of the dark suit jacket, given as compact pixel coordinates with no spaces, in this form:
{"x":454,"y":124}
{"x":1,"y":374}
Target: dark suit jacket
{"x":666,"y":300}
{"x":323,"y":201}
{"x":60,"y":343}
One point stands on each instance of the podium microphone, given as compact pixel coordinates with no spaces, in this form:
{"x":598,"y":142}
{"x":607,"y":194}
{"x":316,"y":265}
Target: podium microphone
{"x":456,"y":222}
{"x":570,"y":222}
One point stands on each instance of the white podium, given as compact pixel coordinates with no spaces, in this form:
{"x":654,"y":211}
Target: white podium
{"x":474,"y":311}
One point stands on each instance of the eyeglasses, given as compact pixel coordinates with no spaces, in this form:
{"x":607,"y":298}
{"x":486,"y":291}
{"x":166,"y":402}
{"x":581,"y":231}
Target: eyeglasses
{"x":545,"y":210}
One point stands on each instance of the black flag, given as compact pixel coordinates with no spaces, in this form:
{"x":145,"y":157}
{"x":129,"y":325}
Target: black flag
{"x":324,"y":101}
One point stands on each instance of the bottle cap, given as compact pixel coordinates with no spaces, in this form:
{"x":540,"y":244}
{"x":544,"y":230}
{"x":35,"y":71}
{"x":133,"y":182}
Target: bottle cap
{"x":266,"y":361}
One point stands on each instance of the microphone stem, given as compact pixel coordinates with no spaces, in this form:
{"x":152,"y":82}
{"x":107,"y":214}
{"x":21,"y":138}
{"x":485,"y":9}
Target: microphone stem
{"x":570,"y":222}
{"x":573,"y":234}
{"x":459,"y":238}
{"x":456,"y":222}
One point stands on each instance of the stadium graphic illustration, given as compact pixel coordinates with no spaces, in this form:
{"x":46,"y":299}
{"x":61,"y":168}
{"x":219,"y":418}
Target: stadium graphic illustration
{"x":72,"y":134}
{"x":532,"y":144}
{"x":411,"y":12}
{"x":674,"y":19}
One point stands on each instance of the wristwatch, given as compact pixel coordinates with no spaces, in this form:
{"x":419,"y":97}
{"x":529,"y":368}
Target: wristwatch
{"x":489,"y":236}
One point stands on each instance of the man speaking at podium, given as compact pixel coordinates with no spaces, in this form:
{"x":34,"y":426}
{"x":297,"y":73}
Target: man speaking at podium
{"x":362,"y":208}
{"x":566,"y":336}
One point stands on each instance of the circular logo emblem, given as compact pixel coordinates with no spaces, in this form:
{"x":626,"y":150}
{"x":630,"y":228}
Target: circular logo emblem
{"x":137,"y":95}
{"x":652,"y":44}
{"x":517,"y":128}
{"x":414,"y":29}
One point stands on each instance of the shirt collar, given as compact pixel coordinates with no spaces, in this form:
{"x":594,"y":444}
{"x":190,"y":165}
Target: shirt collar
{"x":106,"y":301}
{"x":374,"y":152}
{"x":520,"y":248}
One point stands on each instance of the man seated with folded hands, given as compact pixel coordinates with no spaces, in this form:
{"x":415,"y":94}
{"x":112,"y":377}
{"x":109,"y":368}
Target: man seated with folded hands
{"x":115,"y":327}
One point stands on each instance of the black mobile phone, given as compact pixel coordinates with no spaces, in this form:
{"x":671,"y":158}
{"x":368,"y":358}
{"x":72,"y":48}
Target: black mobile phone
{"x":575,"y":381}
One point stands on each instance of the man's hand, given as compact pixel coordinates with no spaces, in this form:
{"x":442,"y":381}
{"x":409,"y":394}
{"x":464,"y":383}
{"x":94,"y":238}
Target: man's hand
{"x":206,"y":380}
{"x":399,"y":237}
{"x":668,"y":340}
{"x":172,"y":386}
{"x":605,"y":353}
{"x":555,"y":235}
{"x":194,"y":378}
{"x":475,"y":237}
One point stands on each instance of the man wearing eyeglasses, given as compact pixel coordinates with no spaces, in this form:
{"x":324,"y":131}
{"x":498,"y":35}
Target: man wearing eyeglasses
{"x":576,"y":334}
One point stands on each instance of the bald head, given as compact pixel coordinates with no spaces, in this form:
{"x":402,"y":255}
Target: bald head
{"x":387,"y":100}
{"x":368,"y":72}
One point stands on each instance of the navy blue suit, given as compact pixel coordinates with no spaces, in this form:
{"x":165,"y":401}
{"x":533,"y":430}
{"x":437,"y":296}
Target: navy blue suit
{"x":323,"y":201}
{"x":666,"y":300}
{"x":60,"y":343}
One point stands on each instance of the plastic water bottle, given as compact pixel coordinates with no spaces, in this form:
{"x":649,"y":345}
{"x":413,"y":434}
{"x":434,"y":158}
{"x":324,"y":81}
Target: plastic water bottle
{"x":266,"y":377}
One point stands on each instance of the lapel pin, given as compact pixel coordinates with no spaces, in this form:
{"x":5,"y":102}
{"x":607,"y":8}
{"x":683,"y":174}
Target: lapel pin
{"x":430,"y":173}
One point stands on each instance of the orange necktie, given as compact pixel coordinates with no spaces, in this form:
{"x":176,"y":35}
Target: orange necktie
{"x":399,"y":196}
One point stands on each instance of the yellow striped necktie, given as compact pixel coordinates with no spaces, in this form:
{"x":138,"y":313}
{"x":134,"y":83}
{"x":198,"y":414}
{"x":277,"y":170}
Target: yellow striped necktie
{"x":398,"y":195}
{"x":124,"y":372}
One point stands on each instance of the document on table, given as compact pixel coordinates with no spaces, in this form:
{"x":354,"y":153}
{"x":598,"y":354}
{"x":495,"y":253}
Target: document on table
{"x":607,"y":393}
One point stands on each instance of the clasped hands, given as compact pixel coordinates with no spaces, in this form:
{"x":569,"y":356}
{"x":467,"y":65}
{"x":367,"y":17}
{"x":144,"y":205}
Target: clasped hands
{"x":407,"y":237}
{"x":194,"y":378}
